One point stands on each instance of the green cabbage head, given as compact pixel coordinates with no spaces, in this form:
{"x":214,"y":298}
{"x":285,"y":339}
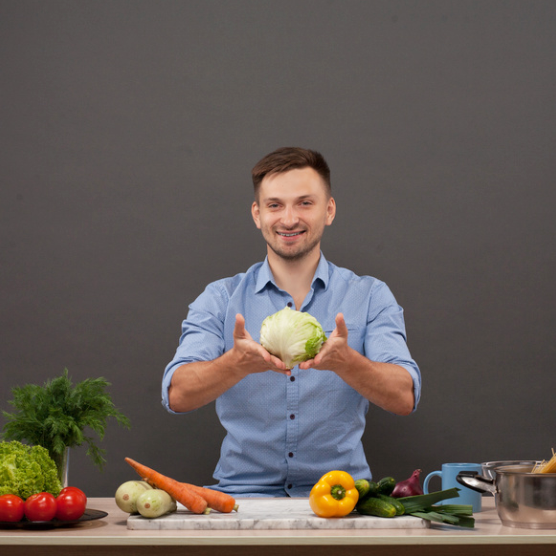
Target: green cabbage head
{"x":25,"y":470}
{"x":292,"y":336}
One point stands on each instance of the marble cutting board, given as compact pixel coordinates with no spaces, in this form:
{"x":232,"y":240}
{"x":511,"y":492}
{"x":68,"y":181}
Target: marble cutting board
{"x":270,"y":513}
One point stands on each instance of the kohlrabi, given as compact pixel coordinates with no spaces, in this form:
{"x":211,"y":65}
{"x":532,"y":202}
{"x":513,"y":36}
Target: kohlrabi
{"x":292,"y":336}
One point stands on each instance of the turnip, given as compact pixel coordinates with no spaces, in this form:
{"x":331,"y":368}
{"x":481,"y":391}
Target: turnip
{"x":154,"y":503}
{"x":127,"y":494}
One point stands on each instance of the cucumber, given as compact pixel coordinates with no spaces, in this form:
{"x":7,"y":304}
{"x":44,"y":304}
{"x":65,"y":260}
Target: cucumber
{"x":386,"y":485}
{"x":362,"y":486}
{"x":366,"y":488}
{"x":400,"y":508}
{"x":376,"y":507}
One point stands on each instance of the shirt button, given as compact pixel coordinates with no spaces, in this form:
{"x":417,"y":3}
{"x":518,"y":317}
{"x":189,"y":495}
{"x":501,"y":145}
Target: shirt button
{"x":290,"y":303}
{"x":292,"y":416}
{"x":290,"y":455}
{"x":290,"y":486}
{"x":292,"y":379}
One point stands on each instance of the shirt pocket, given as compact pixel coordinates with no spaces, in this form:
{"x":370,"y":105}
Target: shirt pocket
{"x":356,"y":337}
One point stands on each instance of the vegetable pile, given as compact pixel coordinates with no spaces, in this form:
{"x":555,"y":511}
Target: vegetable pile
{"x":140,"y":497}
{"x":157,"y":495}
{"x":27,"y":470}
{"x":386,"y":498}
{"x":292,"y":336}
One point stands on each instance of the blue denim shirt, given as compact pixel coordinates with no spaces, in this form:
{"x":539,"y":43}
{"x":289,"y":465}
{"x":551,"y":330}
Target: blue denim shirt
{"x":283,"y":433}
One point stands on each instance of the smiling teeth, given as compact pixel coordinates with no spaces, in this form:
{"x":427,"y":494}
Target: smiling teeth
{"x":289,"y":235}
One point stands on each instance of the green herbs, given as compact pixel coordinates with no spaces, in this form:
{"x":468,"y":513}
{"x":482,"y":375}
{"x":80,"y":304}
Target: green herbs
{"x":26,"y":470}
{"x":57,"y":415}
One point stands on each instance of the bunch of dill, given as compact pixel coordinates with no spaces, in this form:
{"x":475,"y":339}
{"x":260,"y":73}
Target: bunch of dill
{"x":58,"y":414}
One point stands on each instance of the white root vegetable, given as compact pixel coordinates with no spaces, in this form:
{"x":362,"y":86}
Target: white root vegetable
{"x":128,"y":493}
{"x":154,"y":503}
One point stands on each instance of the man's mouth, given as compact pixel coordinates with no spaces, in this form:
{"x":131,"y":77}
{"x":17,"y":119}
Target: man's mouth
{"x":289,"y":234}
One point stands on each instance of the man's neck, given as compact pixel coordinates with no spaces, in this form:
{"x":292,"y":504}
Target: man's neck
{"x":294,"y":276}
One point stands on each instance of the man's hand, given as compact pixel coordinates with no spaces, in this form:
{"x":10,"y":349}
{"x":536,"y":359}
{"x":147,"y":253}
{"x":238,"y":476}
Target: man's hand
{"x":200,"y":382}
{"x":334,"y":352}
{"x":252,"y":357}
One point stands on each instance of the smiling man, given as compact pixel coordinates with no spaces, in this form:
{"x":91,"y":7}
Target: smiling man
{"x":286,"y":428}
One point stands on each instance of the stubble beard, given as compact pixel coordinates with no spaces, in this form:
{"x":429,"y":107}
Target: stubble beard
{"x":295,"y":255}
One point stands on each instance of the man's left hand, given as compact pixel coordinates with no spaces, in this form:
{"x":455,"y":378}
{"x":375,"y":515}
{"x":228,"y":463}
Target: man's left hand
{"x":334,"y":352}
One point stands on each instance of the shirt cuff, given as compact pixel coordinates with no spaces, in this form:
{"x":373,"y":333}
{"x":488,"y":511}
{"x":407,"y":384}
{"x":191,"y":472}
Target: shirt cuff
{"x":166,"y":381}
{"x":416,"y":377}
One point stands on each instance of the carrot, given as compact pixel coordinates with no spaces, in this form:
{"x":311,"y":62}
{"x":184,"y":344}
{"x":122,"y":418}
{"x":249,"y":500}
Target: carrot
{"x":219,"y":501}
{"x":182,"y":494}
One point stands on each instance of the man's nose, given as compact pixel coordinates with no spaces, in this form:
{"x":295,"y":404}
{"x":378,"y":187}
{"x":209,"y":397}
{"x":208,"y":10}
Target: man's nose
{"x":289,"y":218}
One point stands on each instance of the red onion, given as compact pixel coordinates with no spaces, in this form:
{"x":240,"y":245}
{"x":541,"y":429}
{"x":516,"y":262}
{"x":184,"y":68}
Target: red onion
{"x":409,"y":487}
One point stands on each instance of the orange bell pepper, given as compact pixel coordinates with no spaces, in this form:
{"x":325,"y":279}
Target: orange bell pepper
{"x":334,"y":495}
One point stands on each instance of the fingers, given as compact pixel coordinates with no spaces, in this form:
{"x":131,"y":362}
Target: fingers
{"x":341,"y":327}
{"x":239,"y":327}
{"x":259,"y":358}
{"x":278,"y":363}
{"x":274,"y":364}
{"x":331,"y":349}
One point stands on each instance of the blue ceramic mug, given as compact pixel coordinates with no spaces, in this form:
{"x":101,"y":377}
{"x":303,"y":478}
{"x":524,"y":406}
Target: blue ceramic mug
{"x":448,"y":476}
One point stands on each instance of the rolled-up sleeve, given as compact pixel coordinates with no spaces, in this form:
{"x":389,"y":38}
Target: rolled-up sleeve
{"x":386,"y":339}
{"x":202,"y":334}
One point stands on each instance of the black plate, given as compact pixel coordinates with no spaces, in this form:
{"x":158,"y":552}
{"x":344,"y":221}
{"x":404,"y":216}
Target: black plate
{"x":89,"y":515}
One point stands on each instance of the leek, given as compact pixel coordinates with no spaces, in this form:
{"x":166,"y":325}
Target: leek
{"x":423,"y":506}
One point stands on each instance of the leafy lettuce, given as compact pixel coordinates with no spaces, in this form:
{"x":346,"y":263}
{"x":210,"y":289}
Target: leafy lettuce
{"x":25,"y":470}
{"x":292,"y":336}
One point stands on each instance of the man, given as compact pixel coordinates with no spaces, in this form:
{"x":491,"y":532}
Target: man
{"x":286,"y":428}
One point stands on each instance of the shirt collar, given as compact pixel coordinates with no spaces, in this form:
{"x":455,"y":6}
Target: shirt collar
{"x":265,"y":274}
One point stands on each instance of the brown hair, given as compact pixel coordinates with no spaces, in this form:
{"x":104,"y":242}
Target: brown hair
{"x":290,"y":158}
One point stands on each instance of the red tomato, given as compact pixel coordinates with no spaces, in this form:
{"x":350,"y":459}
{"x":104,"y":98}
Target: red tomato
{"x":73,"y":489}
{"x":11,"y":508}
{"x":40,"y":507}
{"x":70,"y":504}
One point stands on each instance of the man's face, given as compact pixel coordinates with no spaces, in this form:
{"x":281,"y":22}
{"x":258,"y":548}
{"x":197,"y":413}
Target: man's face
{"x":292,"y":210}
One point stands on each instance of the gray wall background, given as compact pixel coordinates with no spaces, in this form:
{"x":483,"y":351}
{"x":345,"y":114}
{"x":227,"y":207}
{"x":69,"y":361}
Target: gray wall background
{"x":128,"y":131}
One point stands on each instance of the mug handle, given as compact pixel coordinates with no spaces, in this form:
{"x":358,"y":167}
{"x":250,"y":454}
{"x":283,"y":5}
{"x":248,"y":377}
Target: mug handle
{"x":428,"y":478}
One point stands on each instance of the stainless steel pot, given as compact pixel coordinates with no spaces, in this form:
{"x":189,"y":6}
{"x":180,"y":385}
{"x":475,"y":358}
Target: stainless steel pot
{"x":523,"y":499}
{"x":489,"y":467}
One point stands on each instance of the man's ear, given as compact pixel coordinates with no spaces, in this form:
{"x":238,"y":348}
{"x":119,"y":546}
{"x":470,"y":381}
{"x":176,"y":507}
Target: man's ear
{"x":255,"y":214}
{"x":330,"y":211}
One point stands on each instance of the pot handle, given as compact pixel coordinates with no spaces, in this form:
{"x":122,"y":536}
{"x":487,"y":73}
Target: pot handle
{"x":474,"y":481}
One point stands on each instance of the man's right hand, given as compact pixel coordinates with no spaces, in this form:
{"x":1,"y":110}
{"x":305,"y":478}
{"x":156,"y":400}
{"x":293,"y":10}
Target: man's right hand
{"x":252,"y":357}
{"x":197,"y":383}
